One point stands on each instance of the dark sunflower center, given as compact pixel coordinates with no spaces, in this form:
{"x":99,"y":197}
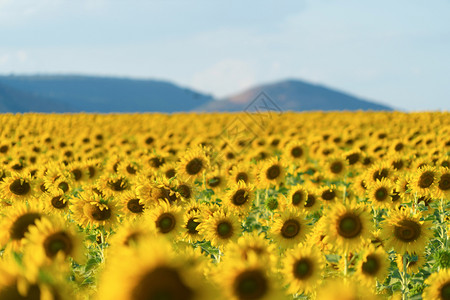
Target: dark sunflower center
{"x":132,"y":238}
{"x":398,"y":164}
{"x":407,"y":230}
{"x":290,"y":229}
{"x":170,"y":173}
{"x":101,"y":215}
{"x":56,"y":242}
{"x":19,"y":187}
{"x":297,"y":197}
{"x":64,"y":186}
{"x":242,"y":176}
{"x":328,"y":195}
{"x":444,"y":182}
{"x":380,"y":174}
{"x":371,"y":265}
{"x":134,"y":206}
{"x":273,"y":172}
{"x":184,"y":191}
{"x":349,"y":226}
{"x":224,"y":229}
{"x":58,"y":202}
{"x":194,"y":166}
{"x":353,"y":158}
{"x":251,"y":284}
{"x":445,"y":291}
{"x":21,"y":224}
{"x":131,"y":170}
{"x":192,"y":226}
{"x":426,"y":179}
{"x":117,"y":185}
{"x":77,"y":174}
{"x":156,"y":162}
{"x":381,"y":194}
{"x":297,"y":152}
{"x":149,"y":140}
{"x":167,"y":194}
{"x":11,"y":293}
{"x":336,"y":167}
{"x":310,"y":201}
{"x":92,"y":171}
{"x":215,"y":181}
{"x":162,"y":283}
{"x":240,"y":197}
{"x":303,"y":269}
{"x":166,"y":222}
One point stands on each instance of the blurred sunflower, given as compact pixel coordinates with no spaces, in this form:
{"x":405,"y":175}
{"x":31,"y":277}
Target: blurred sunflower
{"x":167,"y":219}
{"x":302,"y":269}
{"x":423,"y":182}
{"x":290,"y":228}
{"x":373,"y":266}
{"x":379,"y":193}
{"x":17,"y":187}
{"x":405,"y":232}
{"x":438,"y":286}
{"x":239,"y":197}
{"x":193,"y":163}
{"x":271,"y":172}
{"x":347,"y":227}
{"x":220,"y":227}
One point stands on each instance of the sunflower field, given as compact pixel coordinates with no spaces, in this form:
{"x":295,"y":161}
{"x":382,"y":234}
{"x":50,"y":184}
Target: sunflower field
{"x":348,"y":205}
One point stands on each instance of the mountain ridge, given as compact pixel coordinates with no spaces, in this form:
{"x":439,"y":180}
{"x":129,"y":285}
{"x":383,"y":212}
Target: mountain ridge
{"x":84,"y":93}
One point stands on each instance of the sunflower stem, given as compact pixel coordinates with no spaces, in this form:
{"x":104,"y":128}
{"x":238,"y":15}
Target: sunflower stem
{"x":404,"y":277}
{"x":346,"y":263}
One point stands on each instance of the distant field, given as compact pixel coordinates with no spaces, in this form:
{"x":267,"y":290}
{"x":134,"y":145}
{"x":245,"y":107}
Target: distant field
{"x":264,"y":205}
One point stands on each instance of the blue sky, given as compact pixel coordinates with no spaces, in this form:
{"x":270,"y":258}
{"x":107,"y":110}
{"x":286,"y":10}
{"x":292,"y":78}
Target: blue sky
{"x":394,"y":52}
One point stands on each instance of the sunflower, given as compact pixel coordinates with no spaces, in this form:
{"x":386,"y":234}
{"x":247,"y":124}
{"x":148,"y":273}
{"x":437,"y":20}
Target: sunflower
{"x":216,"y":180}
{"x":190,"y":227}
{"x":247,"y":279}
{"x":17,"y":222}
{"x":290,"y":228}
{"x":297,"y":197}
{"x":403,"y":189}
{"x":443,"y":183}
{"x":113,"y":185}
{"x":438,"y":286}
{"x":335,"y":167}
{"x":167,"y":219}
{"x":15,"y":285}
{"x":353,"y":157}
{"x":130,"y":234}
{"x":53,"y":239}
{"x":17,"y":187}
{"x":169,"y":170}
{"x":57,"y":202}
{"x":379,"y":193}
{"x":373,"y":266}
{"x":329,"y":194}
{"x":185,"y":189}
{"x":220,"y":227}
{"x":294,"y":151}
{"x":165,"y":190}
{"x":271,"y":172}
{"x":405,"y":232}
{"x":302,"y":269}
{"x":424,"y":181}
{"x":378,"y":172}
{"x":252,"y":244}
{"x":240,"y":197}
{"x":79,"y":173}
{"x":151,"y":271}
{"x":61,"y":181}
{"x":193,"y":163}
{"x":347,"y":227}
{"x":414,"y":262}
{"x":242,"y":172}
{"x":132,"y":206}
{"x":92,"y":210}
{"x":312,"y":202}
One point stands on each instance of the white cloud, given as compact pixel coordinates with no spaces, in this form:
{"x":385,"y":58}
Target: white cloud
{"x":225,"y":77}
